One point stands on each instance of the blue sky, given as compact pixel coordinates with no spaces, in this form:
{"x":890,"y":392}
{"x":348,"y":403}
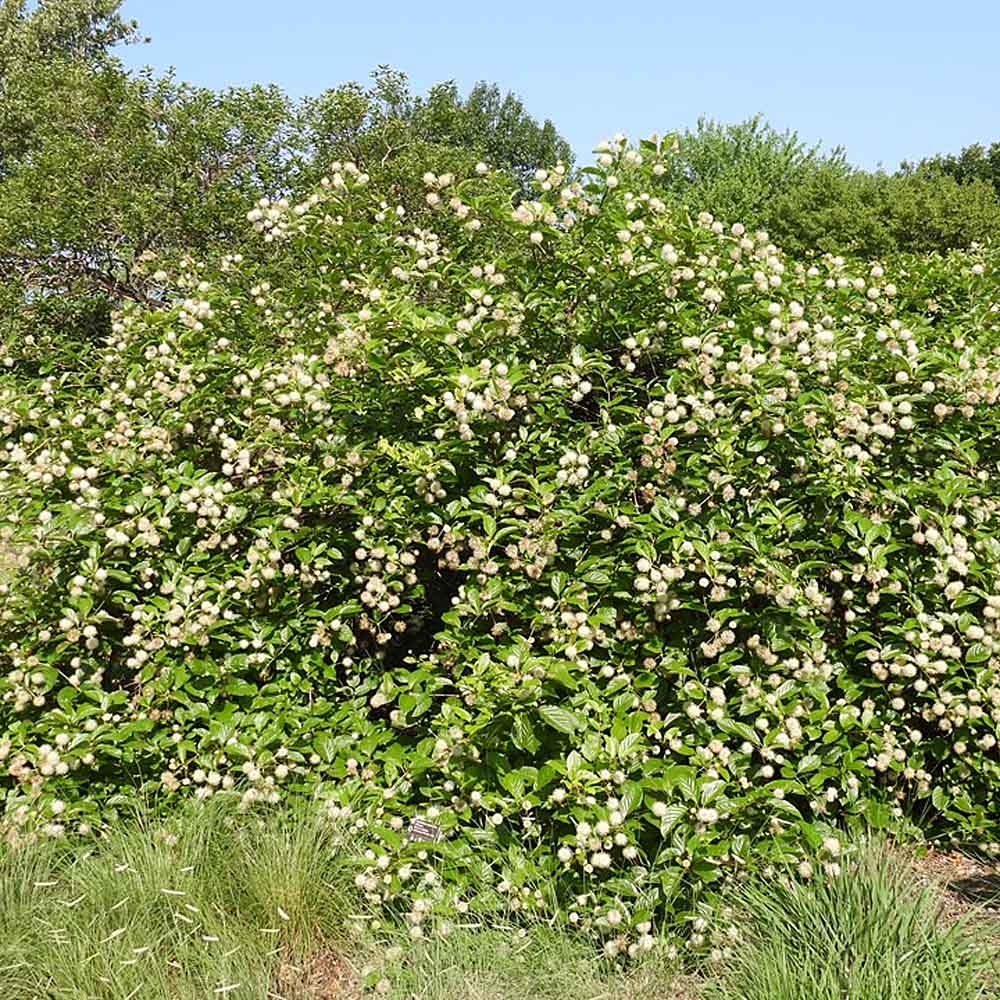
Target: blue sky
{"x":889,"y":80}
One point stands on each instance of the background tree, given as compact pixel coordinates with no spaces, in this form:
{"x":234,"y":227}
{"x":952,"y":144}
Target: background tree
{"x":814,"y":201}
{"x":876,"y":213}
{"x":975,"y":162}
{"x":102,"y":169}
{"x":396,"y":135}
{"x":739,"y":169}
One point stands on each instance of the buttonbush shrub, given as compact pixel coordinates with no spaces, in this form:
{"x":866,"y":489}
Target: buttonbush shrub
{"x":620,"y":546}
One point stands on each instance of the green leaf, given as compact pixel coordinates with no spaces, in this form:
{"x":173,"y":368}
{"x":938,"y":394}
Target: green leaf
{"x":877,"y":813}
{"x":809,"y":763}
{"x":977,"y":653}
{"x":631,"y":797}
{"x":559,"y":718}
{"x":239,"y":688}
{"x":65,"y":698}
{"x":671,"y":818}
{"x":523,"y":734}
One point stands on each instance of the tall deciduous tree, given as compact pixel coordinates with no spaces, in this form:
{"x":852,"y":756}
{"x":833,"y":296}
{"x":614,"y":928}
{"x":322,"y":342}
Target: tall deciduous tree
{"x":394,"y":134}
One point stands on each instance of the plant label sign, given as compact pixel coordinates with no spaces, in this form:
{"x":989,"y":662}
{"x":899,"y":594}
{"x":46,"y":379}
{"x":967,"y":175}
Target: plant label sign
{"x":421,"y":829}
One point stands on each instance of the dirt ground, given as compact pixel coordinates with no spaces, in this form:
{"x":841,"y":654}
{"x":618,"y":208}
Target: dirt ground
{"x":970,"y":884}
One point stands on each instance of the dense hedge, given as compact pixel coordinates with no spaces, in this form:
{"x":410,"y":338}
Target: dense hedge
{"x":622,"y":547}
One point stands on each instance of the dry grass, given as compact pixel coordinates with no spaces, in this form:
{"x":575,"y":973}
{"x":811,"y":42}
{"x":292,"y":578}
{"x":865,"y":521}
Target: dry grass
{"x":324,"y":976}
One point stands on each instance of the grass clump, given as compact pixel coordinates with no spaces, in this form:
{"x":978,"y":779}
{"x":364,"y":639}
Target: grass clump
{"x":872,"y":933}
{"x":212,"y":904}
